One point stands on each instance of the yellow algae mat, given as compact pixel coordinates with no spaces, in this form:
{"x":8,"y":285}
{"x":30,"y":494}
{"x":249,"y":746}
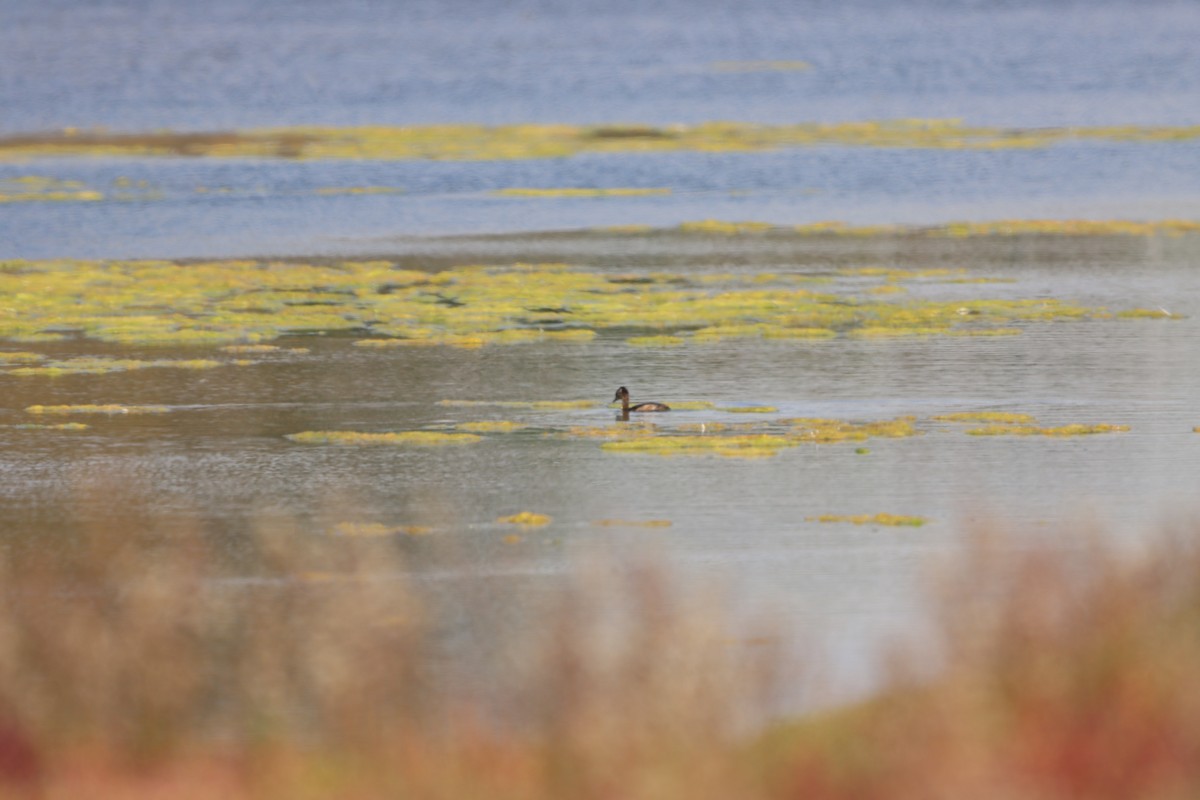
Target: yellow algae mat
{"x":235,"y":307}
{"x":475,"y":142}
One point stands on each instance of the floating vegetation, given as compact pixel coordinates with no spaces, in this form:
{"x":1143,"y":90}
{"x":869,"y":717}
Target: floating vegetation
{"x":554,"y":193}
{"x":655,"y":341}
{"x":714,"y":226}
{"x":1001,"y":417}
{"x":835,"y":430}
{"x":1074,"y":429}
{"x":99,"y":365}
{"x":39,"y":189}
{"x":561,"y":405}
{"x":376,"y":529}
{"x":417,"y":438}
{"x":94,"y":409}
{"x":478,"y":142}
{"x":244,"y":305}
{"x":60,"y":426}
{"x":19,"y":357}
{"x":741,"y":440}
{"x":632,"y":523}
{"x":749,"y":409}
{"x":894,"y":520}
{"x":527,"y":519}
{"x":1147,"y":313}
{"x":736,"y":446}
{"x":491,"y":426}
{"x":1069,"y":227}
{"x":1005,"y":423}
{"x":691,"y":405}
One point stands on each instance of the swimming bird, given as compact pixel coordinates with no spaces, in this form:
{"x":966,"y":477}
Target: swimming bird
{"x":623,"y":396}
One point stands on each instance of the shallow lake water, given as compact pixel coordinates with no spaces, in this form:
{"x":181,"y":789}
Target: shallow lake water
{"x":747,"y":525}
{"x":219,"y":455}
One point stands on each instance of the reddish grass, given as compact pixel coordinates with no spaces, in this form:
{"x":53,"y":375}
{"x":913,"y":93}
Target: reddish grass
{"x":128,"y":669}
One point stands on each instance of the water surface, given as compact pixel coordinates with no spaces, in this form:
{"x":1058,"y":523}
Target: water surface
{"x":220,"y":457}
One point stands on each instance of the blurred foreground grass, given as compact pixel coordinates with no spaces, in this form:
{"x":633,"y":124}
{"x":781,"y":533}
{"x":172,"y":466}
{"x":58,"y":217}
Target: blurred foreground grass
{"x":139,"y":658}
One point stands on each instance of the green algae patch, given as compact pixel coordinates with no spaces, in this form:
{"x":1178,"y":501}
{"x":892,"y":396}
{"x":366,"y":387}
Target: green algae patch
{"x":40,"y":189}
{"x":400,"y":438}
{"x":1147,"y":313}
{"x":655,"y":341}
{"x":59,"y":426}
{"x":491,"y":426}
{"x":378,"y":530}
{"x":525,"y":141}
{"x":97,"y":409}
{"x":19,"y":357}
{"x":737,"y":446}
{"x":99,"y":365}
{"x":739,"y":440}
{"x":691,"y":405}
{"x":632,"y":523}
{"x":1074,"y":429}
{"x":749,"y":409}
{"x":723,"y":228}
{"x":526,"y":519}
{"x":242,"y":306}
{"x":1005,"y":423}
{"x":834,"y":430}
{"x":998,"y":417}
{"x":562,"y":405}
{"x":579,"y":192}
{"x":893,"y":520}
{"x":1067,"y":227}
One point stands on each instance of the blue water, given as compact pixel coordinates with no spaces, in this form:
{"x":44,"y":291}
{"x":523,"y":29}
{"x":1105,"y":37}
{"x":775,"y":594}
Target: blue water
{"x":146,"y":64}
{"x":156,"y":64}
{"x":142,"y":65}
{"x":209,"y":208}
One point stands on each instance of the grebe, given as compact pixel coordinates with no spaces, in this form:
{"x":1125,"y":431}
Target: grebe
{"x":623,"y":396}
